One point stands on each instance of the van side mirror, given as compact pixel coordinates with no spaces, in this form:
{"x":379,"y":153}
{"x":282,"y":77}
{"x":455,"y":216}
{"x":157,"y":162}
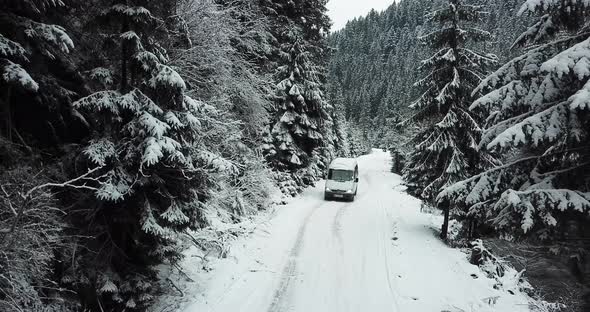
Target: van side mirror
{"x":356,"y":180}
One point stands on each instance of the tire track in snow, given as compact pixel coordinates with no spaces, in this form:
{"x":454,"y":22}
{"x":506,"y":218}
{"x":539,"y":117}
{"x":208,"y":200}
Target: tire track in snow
{"x":337,"y":227}
{"x":384,"y":245}
{"x":336,"y":224}
{"x":290,"y":268}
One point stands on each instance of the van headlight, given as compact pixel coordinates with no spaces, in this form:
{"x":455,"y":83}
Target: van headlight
{"x":349,"y":191}
{"x":328,"y":190}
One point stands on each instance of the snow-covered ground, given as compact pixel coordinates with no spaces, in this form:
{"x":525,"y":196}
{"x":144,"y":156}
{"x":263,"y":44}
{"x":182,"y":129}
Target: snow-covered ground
{"x":378,"y":253}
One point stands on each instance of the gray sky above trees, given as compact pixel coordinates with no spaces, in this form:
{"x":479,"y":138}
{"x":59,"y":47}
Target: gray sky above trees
{"x":341,"y":11}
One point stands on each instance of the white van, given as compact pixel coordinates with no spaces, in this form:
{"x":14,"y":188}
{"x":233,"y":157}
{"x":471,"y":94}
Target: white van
{"x":342,"y":180}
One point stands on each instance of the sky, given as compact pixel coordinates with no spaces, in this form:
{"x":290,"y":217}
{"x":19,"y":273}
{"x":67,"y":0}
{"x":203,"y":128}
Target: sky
{"x":341,"y":11}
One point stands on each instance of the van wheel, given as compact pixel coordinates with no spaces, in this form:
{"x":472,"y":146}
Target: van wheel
{"x":351,"y":198}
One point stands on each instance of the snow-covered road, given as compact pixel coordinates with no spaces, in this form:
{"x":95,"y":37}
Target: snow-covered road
{"x":378,"y":253}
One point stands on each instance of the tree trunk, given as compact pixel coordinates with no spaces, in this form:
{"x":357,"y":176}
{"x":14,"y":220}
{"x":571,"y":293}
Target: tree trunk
{"x":124,"y":52}
{"x":124,"y":66}
{"x":445,"y":226}
{"x":8,"y":116}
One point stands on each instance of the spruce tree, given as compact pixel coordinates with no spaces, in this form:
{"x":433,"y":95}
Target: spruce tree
{"x":446,"y":152}
{"x":537,"y":107}
{"x":301,"y":137}
{"x":341,"y":144}
{"x":300,"y":111}
{"x":33,"y":54}
{"x":143,"y":142}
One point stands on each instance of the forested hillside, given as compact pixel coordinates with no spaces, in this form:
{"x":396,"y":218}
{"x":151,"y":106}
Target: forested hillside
{"x":376,"y":59}
{"x":127,"y":124}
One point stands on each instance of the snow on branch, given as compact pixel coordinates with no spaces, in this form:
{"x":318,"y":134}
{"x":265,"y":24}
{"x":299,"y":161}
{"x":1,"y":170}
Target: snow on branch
{"x":502,"y":98}
{"x":114,"y":185}
{"x":146,"y":60}
{"x":154,"y":149}
{"x":468,"y":121}
{"x":478,"y":59}
{"x":112,"y":101}
{"x":173,"y":120}
{"x":426,"y":141}
{"x":435,"y":186}
{"x":450,"y":120}
{"x":152,"y":125}
{"x":167,"y":78}
{"x":544,"y":127}
{"x":137,"y":14}
{"x":73,"y":183}
{"x":482,"y":186}
{"x":449,"y":91}
{"x":100,"y":101}
{"x":581,"y":100}
{"x":100,"y":150}
{"x":575,"y":60}
{"x":174,"y":215}
{"x":427,"y":80}
{"x":136,"y":101}
{"x":445,"y":55}
{"x":491,"y":133}
{"x":12,"y":50}
{"x":504,"y":75}
{"x":15,"y":75}
{"x":150,"y":225}
{"x":54,"y":34}
{"x":537,"y":32}
{"x":457,"y":164}
{"x":102,"y":75}
{"x":132,"y":39}
{"x":477,"y":34}
{"x":217,"y":163}
{"x":443,"y":141}
{"x":537,"y":205}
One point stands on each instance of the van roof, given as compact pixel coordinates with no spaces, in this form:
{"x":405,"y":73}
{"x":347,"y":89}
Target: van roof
{"x":343,"y":163}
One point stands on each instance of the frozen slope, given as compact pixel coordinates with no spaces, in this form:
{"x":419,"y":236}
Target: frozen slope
{"x":375,"y":254}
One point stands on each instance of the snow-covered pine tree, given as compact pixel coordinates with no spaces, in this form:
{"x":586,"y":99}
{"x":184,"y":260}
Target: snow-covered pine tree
{"x":307,"y":17}
{"x":145,"y":127}
{"x":300,"y":48}
{"x":446,"y":152}
{"x":537,"y":107}
{"x":228,"y":37}
{"x":358,"y":142}
{"x":299,"y":129}
{"x":341,"y":144}
{"x":22,"y":38}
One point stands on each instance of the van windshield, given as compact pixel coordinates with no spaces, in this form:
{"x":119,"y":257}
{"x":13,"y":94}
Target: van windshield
{"x":340,"y":175}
